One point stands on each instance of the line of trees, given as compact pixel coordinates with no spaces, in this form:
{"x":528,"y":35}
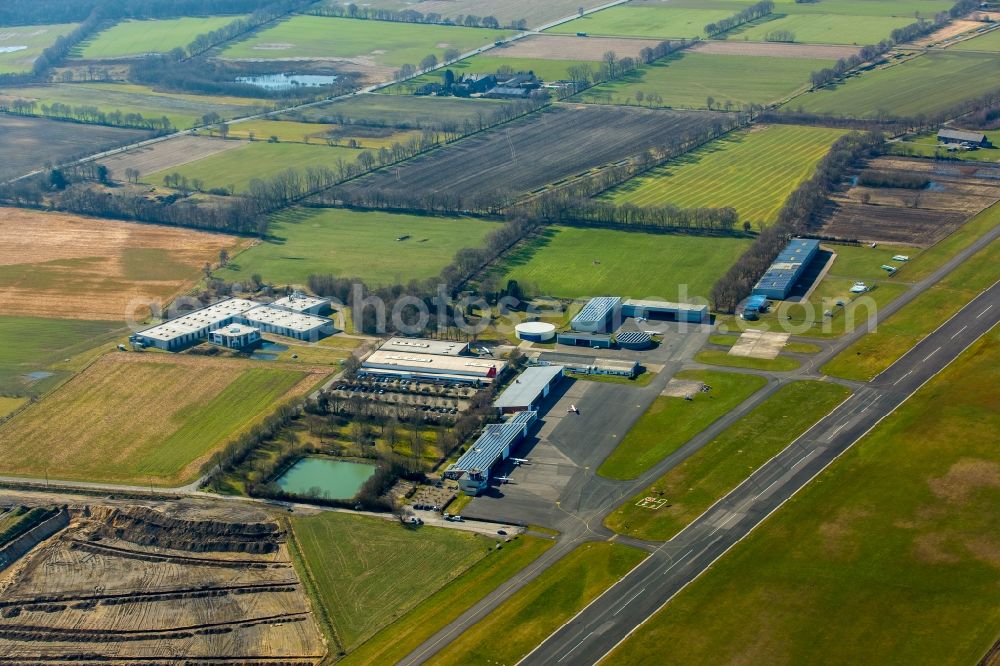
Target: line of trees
{"x":802,"y":208}
{"x":352,"y":10}
{"x":867,"y":53}
{"x":73,"y":11}
{"x":85,"y":114}
{"x":266,"y":14}
{"x":751,"y":13}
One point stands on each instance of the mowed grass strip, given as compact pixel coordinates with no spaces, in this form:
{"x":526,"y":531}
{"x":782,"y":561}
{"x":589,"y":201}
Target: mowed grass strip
{"x":140,"y":418}
{"x":777,"y":364}
{"x":370,"y":572}
{"x":24,"y":43}
{"x":386,"y":43}
{"x":234,"y":169}
{"x":753,"y":172}
{"x":573,"y":262}
{"x":688,"y":80}
{"x":134,"y":38}
{"x":434,"y":613}
{"x":707,"y":476}
{"x":356,"y":244}
{"x":927,"y":84}
{"x":523,"y":621}
{"x":824,"y":28}
{"x":672,"y":421}
{"x":990,"y":43}
{"x":889,"y":556}
{"x":876,"y":351}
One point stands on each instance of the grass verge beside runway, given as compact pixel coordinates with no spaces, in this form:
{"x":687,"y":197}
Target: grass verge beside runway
{"x":379,"y":248}
{"x":876,"y":351}
{"x":369,"y":572}
{"x":693,"y":486}
{"x":889,"y":556}
{"x":574,"y":262}
{"x":434,"y":613}
{"x":672,"y":421}
{"x":777,"y":364}
{"x":519,"y":624}
{"x":753,"y":172}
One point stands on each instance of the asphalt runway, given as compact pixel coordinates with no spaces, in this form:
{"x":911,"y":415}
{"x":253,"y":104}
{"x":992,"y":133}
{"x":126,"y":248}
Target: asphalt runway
{"x":613,"y":616}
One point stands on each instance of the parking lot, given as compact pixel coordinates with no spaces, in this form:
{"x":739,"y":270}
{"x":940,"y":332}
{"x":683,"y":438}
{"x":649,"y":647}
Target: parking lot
{"x":435,"y":402}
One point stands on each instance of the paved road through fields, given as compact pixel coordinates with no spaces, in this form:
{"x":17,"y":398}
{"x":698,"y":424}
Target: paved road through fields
{"x":611,"y":618}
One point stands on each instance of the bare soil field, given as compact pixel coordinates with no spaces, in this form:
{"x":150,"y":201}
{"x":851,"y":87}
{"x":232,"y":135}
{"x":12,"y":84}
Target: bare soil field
{"x":131,"y":584}
{"x":507,"y":162}
{"x":957,"y":191}
{"x":569,"y":47}
{"x":166,"y":154}
{"x":27,"y":144}
{"x":776,"y":49}
{"x":72,"y":267}
{"x":952,"y":29}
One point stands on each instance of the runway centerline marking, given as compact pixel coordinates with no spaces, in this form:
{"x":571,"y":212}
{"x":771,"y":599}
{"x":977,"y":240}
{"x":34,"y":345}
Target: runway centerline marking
{"x":766,"y":489}
{"x":679,"y":560}
{"x":984,"y":311}
{"x":926,"y":358}
{"x":634,"y":597}
{"x":576,"y":646}
{"x":908,"y":373}
{"x":959,"y":332}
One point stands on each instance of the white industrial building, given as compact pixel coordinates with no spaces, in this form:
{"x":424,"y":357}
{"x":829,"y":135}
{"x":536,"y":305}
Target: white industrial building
{"x":235,"y":336}
{"x":434,"y":368}
{"x":529,"y":390}
{"x":425,"y":346}
{"x":303,"y":304}
{"x":196,"y":326}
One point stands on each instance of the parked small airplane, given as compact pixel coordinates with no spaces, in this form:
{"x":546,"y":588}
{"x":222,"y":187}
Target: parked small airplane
{"x":503,"y":479}
{"x":572,"y":408}
{"x":519,"y":461}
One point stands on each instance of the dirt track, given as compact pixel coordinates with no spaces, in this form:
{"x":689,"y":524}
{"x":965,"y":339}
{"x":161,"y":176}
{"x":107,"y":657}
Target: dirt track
{"x":569,"y":47}
{"x":73,"y":267}
{"x":166,"y":154}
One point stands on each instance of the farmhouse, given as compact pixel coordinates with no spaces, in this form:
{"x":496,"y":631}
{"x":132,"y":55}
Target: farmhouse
{"x":430,"y":367}
{"x":529,"y":389}
{"x":664,"y":310}
{"x":197,"y":326}
{"x":598,"y":315}
{"x":494,"y":445}
{"x":946,"y":135}
{"x":502,"y":92}
{"x":779,"y":280}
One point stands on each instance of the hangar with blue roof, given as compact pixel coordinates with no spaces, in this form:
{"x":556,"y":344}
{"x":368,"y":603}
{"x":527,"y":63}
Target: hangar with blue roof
{"x":494,"y":445}
{"x":787,"y":268}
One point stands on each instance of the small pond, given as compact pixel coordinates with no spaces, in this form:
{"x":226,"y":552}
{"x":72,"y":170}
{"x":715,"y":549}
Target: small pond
{"x":268,"y":351}
{"x":335,"y":479}
{"x":12,"y":49}
{"x":285,"y":81}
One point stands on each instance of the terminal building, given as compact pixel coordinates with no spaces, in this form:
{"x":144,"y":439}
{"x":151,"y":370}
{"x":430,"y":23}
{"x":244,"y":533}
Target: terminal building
{"x":432,"y":368}
{"x":590,"y":365}
{"x":197,"y":326}
{"x":530,"y":388}
{"x":494,"y":445}
{"x":599,"y":315}
{"x":780,"y":279}
{"x":665,"y":311}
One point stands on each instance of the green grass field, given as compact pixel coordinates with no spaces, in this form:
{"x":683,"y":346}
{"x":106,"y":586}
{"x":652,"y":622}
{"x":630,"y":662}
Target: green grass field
{"x":292,"y":131}
{"x":400,"y":110}
{"x":687,"y":80}
{"x":990,"y":43}
{"x":182,"y":110}
{"x":896,"y":335}
{"x":824,"y":28}
{"x":547,"y":70}
{"x":234,"y":169}
{"x":925,"y":84}
{"x":136,"y":38}
{"x":519,"y":624}
{"x":408,"y":632}
{"x":371,"y":572}
{"x":359,"y":244}
{"x":645,"y":21}
{"x":572,"y":262}
{"x":40,"y":345}
{"x":20,"y":45}
{"x":670,"y":421}
{"x":386,"y":43}
{"x":704,"y":478}
{"x":777,"y":364}
{"x":888,"y":557}
{"x":138,"y":420}
{"x":753,"y":172}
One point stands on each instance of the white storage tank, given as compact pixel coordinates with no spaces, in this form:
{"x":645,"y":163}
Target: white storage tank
{"x":535,"y":331}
